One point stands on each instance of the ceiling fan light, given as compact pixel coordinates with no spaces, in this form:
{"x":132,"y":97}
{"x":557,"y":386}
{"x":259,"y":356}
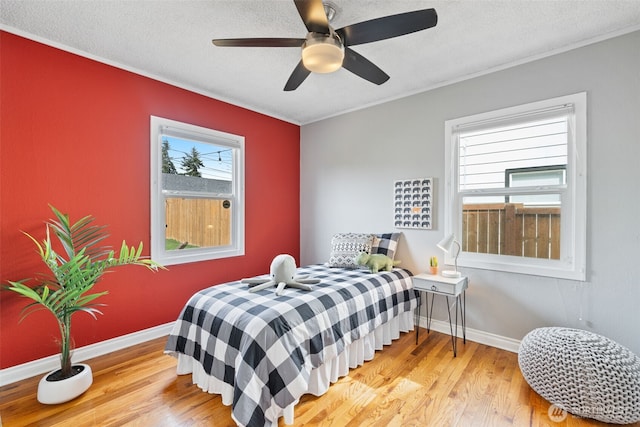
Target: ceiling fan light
{"x":322,"y":54}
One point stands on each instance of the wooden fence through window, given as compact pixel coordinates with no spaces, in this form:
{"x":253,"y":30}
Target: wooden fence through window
{"x":198,"y":222}
{"x":511,"y":229}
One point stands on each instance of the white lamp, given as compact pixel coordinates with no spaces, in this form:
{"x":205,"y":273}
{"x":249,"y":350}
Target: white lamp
{"x":446,"y":245}
{"x":322,"y":53}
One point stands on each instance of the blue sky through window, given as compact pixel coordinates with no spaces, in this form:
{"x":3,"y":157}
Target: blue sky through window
{"x":218,"y":160}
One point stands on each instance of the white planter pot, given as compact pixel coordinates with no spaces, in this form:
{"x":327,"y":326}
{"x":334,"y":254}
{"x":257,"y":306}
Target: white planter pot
{"x":54,"y":392}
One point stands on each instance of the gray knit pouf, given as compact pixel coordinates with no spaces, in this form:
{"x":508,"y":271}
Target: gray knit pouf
{"x":586,"y":374}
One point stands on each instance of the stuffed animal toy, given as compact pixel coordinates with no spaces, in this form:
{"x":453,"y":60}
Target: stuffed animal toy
{"x":282,"y":273}
{"x":376,"y":262}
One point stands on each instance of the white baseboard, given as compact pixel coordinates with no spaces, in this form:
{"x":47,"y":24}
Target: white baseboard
{"x":44,"y":365}
{"x":475,"y":335}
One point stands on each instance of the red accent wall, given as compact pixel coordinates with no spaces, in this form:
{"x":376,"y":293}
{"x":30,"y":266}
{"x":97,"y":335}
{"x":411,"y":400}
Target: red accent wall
{"x":74,"y":133}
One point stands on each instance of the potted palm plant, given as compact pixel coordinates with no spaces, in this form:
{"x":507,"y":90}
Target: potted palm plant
{"x":75,"y":264}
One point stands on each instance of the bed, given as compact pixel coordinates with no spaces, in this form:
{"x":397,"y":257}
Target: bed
{"x":261,"y":352}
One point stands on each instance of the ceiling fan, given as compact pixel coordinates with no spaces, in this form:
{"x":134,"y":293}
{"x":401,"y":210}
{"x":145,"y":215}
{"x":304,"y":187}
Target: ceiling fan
{"x":325,"y":50}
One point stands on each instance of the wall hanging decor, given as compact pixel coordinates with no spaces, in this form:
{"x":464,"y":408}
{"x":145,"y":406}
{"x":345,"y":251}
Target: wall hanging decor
{"x":413,"y":203}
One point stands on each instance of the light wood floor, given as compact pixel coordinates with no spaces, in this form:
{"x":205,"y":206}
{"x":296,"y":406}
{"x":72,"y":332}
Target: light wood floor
{"x":405,"y":385}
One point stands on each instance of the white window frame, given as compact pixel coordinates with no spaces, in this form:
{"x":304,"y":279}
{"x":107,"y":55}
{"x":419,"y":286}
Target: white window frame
{"x":159,"y":126}
{"x":572,"y":262}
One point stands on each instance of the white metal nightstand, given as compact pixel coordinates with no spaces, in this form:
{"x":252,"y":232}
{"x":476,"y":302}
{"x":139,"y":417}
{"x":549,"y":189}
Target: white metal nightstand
{"x":455,"y":288}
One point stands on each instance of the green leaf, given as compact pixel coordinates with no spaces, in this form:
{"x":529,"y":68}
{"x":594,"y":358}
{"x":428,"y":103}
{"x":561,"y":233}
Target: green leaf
{"x":73,"y":274}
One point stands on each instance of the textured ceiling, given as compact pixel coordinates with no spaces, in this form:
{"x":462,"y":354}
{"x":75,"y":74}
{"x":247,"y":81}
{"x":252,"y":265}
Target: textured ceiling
{"x":171,"y":41}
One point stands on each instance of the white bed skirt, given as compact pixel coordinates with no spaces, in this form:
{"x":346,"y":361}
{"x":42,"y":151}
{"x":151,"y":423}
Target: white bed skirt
{"x":354,"y":355}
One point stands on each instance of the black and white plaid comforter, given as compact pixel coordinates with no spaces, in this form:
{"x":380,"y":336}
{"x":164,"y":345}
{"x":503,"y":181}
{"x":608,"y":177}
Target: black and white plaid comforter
{"x":265,"y":346}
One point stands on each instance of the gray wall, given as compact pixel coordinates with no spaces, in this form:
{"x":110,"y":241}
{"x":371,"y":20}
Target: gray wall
{"x":349,"y":163}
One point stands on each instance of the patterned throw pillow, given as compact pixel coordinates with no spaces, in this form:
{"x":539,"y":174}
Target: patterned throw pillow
{"x":345,"y":247}
{"x":386,"y":244}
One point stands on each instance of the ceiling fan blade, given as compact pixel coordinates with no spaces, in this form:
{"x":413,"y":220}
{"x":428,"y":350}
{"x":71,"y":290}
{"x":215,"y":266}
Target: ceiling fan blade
{"x":362,"y":67}
{"x":388,"y":27}
{"x":264,"y":42}
{"x":297,"y":77}
{"x":313,"y":15}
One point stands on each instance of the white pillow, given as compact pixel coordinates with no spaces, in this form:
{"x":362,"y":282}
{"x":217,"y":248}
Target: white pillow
{"x":345,"y":247}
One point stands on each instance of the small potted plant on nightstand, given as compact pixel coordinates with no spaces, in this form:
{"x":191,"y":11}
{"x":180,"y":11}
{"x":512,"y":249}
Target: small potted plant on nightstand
{"x":64,"y":291}
{"x":433,"y":265}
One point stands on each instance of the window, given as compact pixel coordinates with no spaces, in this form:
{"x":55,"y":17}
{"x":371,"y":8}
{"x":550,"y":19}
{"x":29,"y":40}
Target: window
{"x":515,"y":192}
{"x":535,"y":176}
{"x":197,"y":193}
